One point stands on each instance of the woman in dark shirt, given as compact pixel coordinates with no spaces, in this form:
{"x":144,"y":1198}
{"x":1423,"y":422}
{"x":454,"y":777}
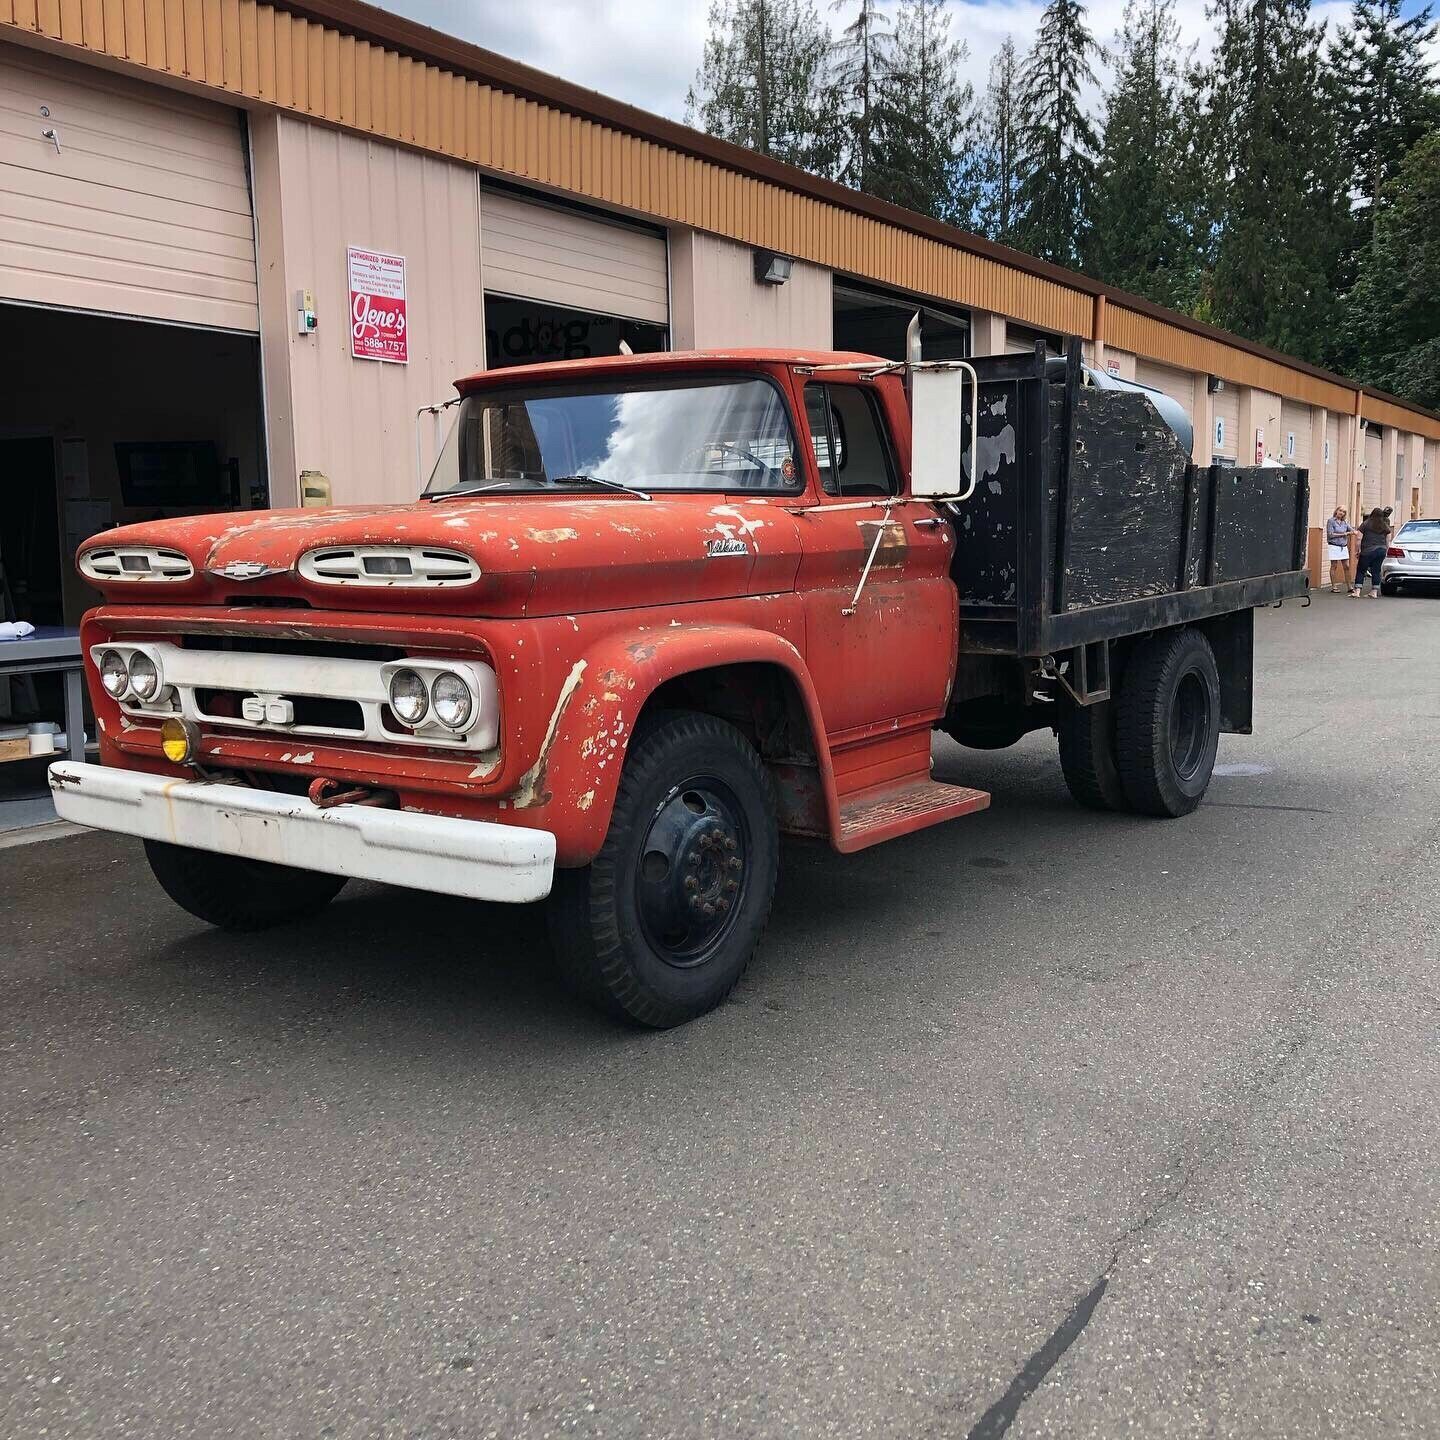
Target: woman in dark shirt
{"x":1374,"y":540}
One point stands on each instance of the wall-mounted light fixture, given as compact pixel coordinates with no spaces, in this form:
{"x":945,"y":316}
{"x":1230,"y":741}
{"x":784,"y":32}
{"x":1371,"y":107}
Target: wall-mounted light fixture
{"x":1214,"y":384}
{"x":770,"y":268}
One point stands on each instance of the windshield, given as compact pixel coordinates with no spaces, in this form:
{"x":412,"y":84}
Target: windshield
{"x":1428,"y":530}
{"x":684,"y":435}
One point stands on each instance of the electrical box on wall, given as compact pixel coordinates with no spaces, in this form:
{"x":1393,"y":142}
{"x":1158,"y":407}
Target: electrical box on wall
{"x":306,"y":321}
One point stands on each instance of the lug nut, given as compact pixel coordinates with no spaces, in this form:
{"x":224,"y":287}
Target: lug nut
{"x":729,"y":842}
{"x":691,"y":883}
{"x":707,"y":908}
{"x":734,"y":862}
{"x":731,"y":886}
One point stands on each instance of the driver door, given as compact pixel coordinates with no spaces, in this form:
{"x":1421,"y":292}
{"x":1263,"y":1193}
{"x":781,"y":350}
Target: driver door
{"x":892,"y":657}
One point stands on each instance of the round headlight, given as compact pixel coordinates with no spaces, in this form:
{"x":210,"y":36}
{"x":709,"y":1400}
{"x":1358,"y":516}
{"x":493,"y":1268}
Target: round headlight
{"x":408,"y":697}
{"x":113,"y":674}
{"x":452,"y":701}
{"x":144,"y":677}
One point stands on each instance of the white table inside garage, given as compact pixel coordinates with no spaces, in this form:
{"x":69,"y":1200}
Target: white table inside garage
{"x":49,"y":649}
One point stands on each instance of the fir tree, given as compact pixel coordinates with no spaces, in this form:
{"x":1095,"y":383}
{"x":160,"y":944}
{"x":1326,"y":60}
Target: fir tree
{"x":763,"y":81}
{"x":1391,"y":320}
{"x":1140,"y":236}
{"x":1057,"y":138}
{"x":1385,"y":91}
{"x":926,"y":114}
{"x":862,"y":56}
{"x":1274,"y":146}
{"x":997,"y":148}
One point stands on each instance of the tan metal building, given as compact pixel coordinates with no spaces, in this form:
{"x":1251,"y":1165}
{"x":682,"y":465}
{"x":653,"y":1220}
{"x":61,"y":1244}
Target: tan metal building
{"x":186,"y":185}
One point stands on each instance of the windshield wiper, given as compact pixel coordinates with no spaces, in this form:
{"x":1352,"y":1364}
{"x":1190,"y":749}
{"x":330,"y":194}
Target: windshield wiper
{"x":468,"y":490}
{"x":596,"y":480}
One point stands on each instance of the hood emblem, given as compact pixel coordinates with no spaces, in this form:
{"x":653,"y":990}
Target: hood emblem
{"x":727,"y":546}
{"x":247,"y":570}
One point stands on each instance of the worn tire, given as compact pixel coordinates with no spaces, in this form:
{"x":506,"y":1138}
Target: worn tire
{"x":603,"y":927}
{"x":1087,"y":756}
{"x":235,"y":893}
{"x":1167,"y":723}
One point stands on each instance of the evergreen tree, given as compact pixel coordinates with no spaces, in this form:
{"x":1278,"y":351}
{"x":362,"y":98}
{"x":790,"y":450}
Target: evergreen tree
{"x":862,"y":56}
{"x":1057,"y":138}
{"x":1391,"y":324}
{"x":1385,"y":91}
{"x":997,"y":149}
{"x":925,"y":116}
{"x":1140,"y":236}
{"x":763,"y":81}
{"x":1273,"y":144}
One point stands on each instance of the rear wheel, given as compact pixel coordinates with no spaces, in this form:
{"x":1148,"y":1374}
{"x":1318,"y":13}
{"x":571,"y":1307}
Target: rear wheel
{"x":1167,"y":723}
{"x":1087,"y":756}
{"x":235,"y":893}
{"x":660,"y":926}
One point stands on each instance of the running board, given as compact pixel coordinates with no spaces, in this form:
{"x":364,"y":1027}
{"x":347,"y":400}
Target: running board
{"x":870,"y":816}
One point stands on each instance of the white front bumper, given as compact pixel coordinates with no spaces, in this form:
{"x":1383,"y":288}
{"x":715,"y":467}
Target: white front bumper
{"x":472,"y":858}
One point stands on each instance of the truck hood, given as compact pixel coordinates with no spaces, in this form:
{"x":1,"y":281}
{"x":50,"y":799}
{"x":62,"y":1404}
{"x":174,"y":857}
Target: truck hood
{"x":536,"y":555}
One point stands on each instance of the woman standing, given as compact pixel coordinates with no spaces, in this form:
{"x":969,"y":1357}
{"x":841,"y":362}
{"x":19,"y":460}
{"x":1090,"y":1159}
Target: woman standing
{"x":1374,"y":538}
{"x":1338,"y":531}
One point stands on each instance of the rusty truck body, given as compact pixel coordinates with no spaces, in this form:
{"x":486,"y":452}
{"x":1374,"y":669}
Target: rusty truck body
{"x":652,"y":613}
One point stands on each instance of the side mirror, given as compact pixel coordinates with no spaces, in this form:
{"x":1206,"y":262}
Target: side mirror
{"x":938,"y":469}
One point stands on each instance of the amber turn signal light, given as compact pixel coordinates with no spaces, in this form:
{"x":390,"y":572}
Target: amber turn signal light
{"x":180,"y":740}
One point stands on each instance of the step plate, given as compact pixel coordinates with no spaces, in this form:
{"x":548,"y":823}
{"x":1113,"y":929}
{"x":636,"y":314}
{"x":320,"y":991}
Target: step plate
{"x":875,"y":815}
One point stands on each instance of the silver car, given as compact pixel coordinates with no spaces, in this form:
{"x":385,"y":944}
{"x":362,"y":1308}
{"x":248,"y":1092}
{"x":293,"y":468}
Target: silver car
{"x":1413,"y":556}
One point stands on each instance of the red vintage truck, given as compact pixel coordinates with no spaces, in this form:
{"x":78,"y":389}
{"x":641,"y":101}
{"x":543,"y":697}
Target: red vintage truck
{"x":652,"y":613}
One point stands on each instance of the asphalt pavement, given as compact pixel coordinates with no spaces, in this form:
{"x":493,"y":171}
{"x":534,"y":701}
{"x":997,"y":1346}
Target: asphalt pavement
{"x":1043,"y":1123}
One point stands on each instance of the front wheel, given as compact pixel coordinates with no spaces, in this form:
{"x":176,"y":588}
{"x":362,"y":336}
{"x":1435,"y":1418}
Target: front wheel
{"x":660,"y":926}
{"x":1167,"y":725}
{"x":236,"y":893}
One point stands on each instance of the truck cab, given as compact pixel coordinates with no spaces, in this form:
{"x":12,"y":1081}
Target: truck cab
{"x":648,"y":614}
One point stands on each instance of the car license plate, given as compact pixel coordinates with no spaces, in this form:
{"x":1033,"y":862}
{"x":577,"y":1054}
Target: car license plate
{"x":1430,"y":555}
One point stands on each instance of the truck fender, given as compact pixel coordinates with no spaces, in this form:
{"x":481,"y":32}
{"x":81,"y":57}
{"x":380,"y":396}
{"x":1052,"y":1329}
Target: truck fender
{"x":570,"y":788}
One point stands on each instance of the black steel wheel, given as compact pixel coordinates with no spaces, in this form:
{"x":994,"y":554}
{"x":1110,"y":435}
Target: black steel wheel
{"x":236,"y":893}
{"x":660,"y":926}
{"x":1168,"y":723}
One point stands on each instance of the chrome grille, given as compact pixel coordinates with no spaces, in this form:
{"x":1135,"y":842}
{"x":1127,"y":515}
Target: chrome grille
{"x":412,"y":566}
{"x":134,"y":562}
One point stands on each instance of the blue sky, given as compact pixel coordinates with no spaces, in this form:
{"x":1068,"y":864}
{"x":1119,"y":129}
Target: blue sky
{"x":647,"y":51}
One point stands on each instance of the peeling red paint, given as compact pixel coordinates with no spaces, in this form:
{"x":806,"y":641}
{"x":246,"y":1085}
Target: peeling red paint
{"x":585,"y":605}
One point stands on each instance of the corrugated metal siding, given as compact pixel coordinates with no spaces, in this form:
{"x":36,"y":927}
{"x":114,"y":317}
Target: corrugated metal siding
{"x":355,"y":419}
{"x":717,"y":302}
{"x":144,"y":208}
{"x":1295,"y":420}
{"x":1177,"y":384}
{"x":1227,"y":407}
{"x":546,"y":252}
{"x":276,"y":58}
{"x":1166,"y":343}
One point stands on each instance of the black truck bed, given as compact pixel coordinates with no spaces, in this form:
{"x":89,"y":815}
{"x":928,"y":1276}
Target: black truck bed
{"x":1089,"y":522}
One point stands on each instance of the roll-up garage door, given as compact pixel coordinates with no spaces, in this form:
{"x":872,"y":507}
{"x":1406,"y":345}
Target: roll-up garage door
{"x":1374,"y":479}
{"x":135,"y":203}
{"x":1295,"y":420}
{"x":1226,"y":412}
{"x":568,"y":257}
{"x":1179,"y":385}
{"x":1331,"y":460}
